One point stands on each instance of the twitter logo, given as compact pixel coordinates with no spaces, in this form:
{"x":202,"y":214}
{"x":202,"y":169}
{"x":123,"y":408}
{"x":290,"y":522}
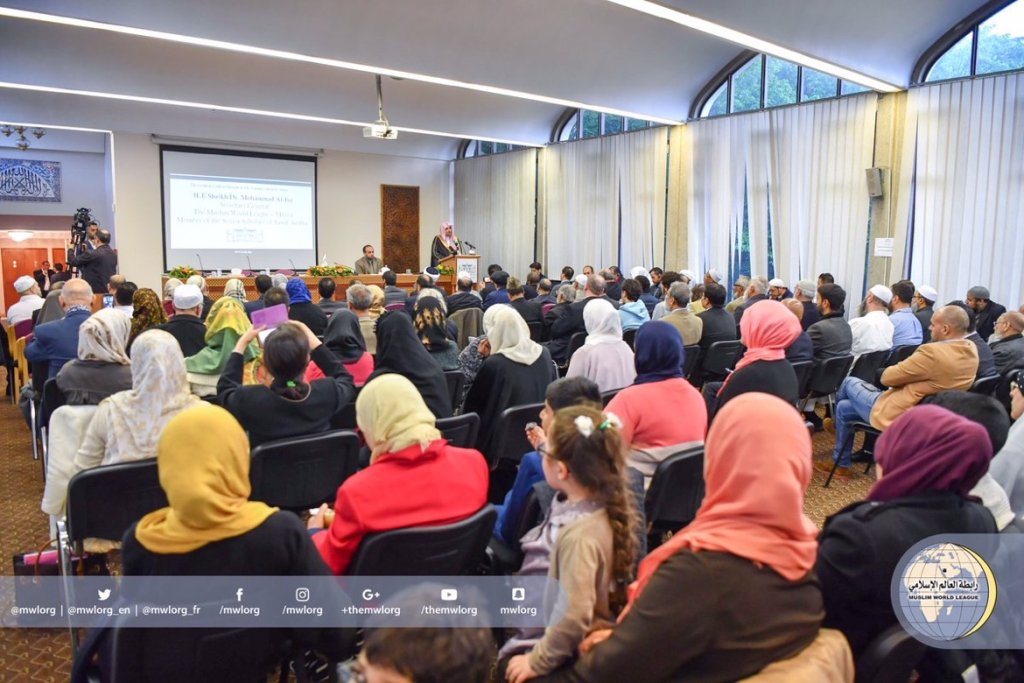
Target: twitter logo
{"x":103,"y":594}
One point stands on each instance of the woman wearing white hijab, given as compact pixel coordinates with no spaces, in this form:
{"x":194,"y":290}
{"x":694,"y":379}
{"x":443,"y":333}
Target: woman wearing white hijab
{"x":102,"y":367}
{"x":604,"y":359}
{"x":516,"y":370}
{"x":127,"y":426}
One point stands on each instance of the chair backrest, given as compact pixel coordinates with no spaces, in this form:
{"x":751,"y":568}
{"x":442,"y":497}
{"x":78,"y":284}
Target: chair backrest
{"x":346,"y":417}
{"x":53,"y":398}
{"x":1002,"y":392}
{"x":546,"y":307}
{"x":532,"y":512}
{"x":510,"y":433}
{"x":898,"y":354}
{"x":24,"y":328}
{"x":576,"y":342}
{"x":691,"y":359}
{"x":443,"y":550}
{"x":828,"y":375}
{"x":304,"y":471}
{"x":677,"y":490}
{"x":803,"y":371}
{"x":104,"y":501}
{"x":629,"y":336}
{"x":720,"y":357}
{"x":867,"y":364}
{"x":890,"y":657}
{"x":536,"y":329}
{"x":607,"y":396}
{"x":461,"y":430}
{"x":399,"y":306}
{"x":455,"y":380}
{"x":985,"y":386}
{"x":469,"y":322}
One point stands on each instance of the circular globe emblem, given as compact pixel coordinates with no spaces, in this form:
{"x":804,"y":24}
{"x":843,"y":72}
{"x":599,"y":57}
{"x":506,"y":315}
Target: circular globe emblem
{"x":946,"y":592}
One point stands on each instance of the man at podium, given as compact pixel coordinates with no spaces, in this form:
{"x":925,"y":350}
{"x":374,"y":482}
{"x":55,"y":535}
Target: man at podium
{"x":445,"y":244}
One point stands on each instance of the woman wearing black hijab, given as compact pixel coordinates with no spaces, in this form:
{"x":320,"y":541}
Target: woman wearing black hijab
{"x":344,"y":337}
{"x":399,"y":351}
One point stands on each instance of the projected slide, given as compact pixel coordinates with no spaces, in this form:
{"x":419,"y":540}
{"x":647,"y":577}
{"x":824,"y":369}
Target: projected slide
{"x":240,"y":213}
{"x":226,"y":210}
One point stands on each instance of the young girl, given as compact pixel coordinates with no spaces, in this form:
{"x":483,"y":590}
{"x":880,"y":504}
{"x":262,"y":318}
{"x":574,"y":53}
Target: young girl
{"x":586,"y":542}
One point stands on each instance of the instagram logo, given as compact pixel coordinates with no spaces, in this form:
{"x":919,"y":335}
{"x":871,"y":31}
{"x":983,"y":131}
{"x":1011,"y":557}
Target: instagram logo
{"x":301,"y":595}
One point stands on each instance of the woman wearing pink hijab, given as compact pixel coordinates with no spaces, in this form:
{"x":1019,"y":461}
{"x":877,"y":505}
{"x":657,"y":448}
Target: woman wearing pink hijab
{"x":733,"y":591}
{"x":445,"y":244}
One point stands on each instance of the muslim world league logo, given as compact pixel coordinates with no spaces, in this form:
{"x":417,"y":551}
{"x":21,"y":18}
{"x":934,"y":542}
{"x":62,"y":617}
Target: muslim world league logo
{"x":946,"y":592}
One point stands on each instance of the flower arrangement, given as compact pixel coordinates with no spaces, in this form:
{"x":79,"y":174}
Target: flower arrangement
{"x":446,"y":270}
{"x":182,"y":272}
{"x":337,"y":270}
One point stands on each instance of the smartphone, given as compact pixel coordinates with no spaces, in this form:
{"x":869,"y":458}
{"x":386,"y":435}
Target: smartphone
{"x":531,"y":426}
{"x":108,"y":301}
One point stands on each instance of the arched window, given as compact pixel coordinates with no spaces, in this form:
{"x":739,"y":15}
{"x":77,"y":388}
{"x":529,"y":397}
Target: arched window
{"x":989,"y":41}
{"x":583,"y":123}
{"x":480,"y":148}
{"x":757,"y":81}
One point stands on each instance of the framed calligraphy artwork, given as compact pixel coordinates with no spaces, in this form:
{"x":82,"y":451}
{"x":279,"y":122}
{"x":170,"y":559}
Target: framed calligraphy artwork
{"x":26,"y":180}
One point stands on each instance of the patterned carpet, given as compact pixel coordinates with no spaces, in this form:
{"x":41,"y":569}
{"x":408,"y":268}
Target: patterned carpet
{"x":45,"y":654}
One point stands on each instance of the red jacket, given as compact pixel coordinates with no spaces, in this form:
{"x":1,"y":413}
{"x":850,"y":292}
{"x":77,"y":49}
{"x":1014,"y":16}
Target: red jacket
{"x":408,"y":488}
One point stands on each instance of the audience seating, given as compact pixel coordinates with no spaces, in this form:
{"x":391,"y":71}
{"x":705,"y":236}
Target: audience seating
{"x":890,"y":657}
{"x":607,"y":396}
{"x":826,"y":378}
{"x":629,"y":336}
{"x":303,"y":472}
{"x":456,"y":380}
{"x":691,"y":361}
{"x":469,"y":322}
{"x":986,"y":386}
{"x":444,"y":550}
{"x":803,"y":371}
{"x":346,"y":417}
{"x":870,"y":434}
{"x":1002,"y":392}
{"x":576,"y":342}
{"x":24,"y":328}
{"x":52,"y":399}
{"x":866,"y":365}
{"x":395,"y":307}
{"x":510,"y":431}
{"x":897,"y":354}
{"x":504,"y":559}
{"x":461,"y":430}
{"x":719,"y":359}
{"x":675,"y":494}
{"x":536,"y":329}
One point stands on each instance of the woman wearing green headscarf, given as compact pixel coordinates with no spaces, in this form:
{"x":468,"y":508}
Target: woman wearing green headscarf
{"x":226,"y":323}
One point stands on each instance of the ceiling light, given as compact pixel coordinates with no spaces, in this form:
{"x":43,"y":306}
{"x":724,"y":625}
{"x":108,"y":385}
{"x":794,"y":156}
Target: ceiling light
{"x":325,"y":61}
{"x":756,"y":44}
{"x":252,"y":112}
{"x":20,"y":235}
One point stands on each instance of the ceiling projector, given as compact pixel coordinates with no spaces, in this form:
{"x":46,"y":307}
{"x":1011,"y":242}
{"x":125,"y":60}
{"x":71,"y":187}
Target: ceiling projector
{"x":380,"y":130}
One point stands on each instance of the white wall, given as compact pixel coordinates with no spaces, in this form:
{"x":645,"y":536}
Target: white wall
{"x":348,"y":203}
{"x":82,"y":182}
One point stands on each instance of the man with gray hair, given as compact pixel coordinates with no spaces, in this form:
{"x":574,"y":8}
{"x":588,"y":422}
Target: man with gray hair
{"x":565,"y":325}
{"x":359,"y":302}
{"x":1008,"y":351}
{"x":200,"y":282}
{"x":689,"y":326}
{"x":56,"y":342}
{"x":279,"y":280}
{"x":935,"y":367}
{"x":988,"y":311}
{"x":739,"y":290}
{"x":756,"y":291}
{"x":805,"y":293}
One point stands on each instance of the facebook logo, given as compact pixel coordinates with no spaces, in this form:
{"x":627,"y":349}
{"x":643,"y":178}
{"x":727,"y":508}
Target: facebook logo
{"x":239,"y":594}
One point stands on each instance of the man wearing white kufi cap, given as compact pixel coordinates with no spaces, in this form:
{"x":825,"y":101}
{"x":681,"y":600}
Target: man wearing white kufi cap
{"x":873,"y":331}
{"x":924,"y":301}
{"x":30,"y":301}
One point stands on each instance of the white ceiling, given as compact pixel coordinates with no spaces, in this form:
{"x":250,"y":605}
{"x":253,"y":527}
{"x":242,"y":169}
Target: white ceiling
{"x":582,"y":50}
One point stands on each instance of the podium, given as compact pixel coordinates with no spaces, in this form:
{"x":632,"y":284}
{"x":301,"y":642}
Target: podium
{"x":459,"y":263}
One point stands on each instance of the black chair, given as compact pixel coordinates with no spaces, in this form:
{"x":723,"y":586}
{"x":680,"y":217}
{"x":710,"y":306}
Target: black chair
{"x":346,"y":417}
{"x":303,"y":472}
{"x":536,"y":329}
{"x":675,"y":494}
{"x":629,"y":336}
{"x":444,"y":550}
{"x":897,"y":354}
{"x":53,"y":398}
{"x":505,"y":559}
{"x":461,"y":431}
{"x":719,"y":359}
{"x":38,"y":372}
{"x":803,"y":371}
{"x":986,"y":386}
{"x":576,"y":342}
{"x":1002,"y":392}
{"x":890,"y":658}
{"x":870,"y":435}
{"x":867,"y":364}
{"x":691,"y":361}
{"x":826,"y":378}
{"x":455,"y":380}
{"x":607,"y":396}
{"x":510,"y":433}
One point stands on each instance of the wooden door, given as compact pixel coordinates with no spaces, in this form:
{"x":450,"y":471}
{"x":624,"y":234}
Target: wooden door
{"x":400,"y":227}
{"x":18,"y":262}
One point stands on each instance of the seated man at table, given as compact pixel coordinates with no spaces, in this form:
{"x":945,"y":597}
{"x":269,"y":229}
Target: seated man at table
{"x":368,"y":264}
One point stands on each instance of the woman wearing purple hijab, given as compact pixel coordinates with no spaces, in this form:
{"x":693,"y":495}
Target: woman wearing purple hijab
{"x":927,"y":463}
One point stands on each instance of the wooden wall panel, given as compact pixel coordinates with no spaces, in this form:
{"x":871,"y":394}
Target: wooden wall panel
{"x":400,"y":227}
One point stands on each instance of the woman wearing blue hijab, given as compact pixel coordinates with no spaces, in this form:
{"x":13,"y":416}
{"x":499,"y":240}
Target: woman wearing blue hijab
{"x":302,"y":308}
{"x":661,"y":412}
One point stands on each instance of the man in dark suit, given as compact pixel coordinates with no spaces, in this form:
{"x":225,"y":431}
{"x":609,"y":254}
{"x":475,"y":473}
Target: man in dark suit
{"x":327,"y":304}
{"x":98,"y":265}
{"x":464,"y":297}
{"x":186,"y":325}
{"x":544,"y":293}
{"x":488,"y":284}
{"x":757,"y":290}
{"x":986,"y":310}
{"x":56,"y":342}
{"x":719,"y":325}
{"x":986,"y":360}
{"x":925,"y":299}
{"x":800,"y":349}
{"x":529,"y":310}
{"x":565,"y":297}
{"x":831,"y":335}
{"x":44,"y":276}
{"x":1008,"y":351}
{"x":393,"y":294}
{"x":60,"y":275}
{"x":570,"y":322}
{"x":263,"y":285}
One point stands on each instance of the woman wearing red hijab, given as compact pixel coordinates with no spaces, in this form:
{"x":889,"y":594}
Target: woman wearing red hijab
{"x":733,"y":591}
{"x":928,"y":461}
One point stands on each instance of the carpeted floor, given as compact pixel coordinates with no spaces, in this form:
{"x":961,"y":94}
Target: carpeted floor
{"x":39,"y":655}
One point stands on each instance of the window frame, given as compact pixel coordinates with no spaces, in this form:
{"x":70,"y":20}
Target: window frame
{"x":971,"y":24}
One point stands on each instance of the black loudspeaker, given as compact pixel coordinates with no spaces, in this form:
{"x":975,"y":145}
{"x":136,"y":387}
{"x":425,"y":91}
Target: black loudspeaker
{"x":874,"y":177}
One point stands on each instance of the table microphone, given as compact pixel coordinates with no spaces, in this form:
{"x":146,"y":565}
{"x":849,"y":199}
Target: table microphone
{"x":294,"y":269}
{"x":248,"y":261}
{"x":200,"y":258}
{"x":469,"y":244}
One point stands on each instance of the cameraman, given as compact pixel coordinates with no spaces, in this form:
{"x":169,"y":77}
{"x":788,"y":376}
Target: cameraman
{"x":98,"y":265}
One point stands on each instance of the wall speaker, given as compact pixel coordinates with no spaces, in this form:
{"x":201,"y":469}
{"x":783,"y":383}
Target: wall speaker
{"x":874,"y":177}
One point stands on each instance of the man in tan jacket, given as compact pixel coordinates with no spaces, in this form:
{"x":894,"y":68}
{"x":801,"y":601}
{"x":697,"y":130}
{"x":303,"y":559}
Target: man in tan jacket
{"x":950,"y":361}
{"x":682,"y":318}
